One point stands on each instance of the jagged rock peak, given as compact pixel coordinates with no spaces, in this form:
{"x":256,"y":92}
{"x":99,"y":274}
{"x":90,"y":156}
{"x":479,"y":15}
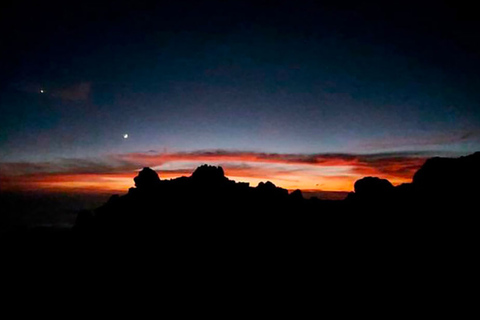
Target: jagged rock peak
{"x":269,"y":189}
{"x":146,"y":179}
{"x":444,"y":173}
{"x":372,"y":186}
{"x":266,"y":186}
{"x":209,"y":173}
{"x":296,"y":195}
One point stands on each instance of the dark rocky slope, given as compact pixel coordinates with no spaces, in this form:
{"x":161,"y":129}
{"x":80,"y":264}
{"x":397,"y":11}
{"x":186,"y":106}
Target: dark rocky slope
{"x":208,"y":203}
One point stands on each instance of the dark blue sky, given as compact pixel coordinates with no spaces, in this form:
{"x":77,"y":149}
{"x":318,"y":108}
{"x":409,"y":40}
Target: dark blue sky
{"x":264,"y":76}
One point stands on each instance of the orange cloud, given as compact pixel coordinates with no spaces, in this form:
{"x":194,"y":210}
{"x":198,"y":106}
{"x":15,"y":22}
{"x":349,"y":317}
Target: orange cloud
{"x":114,"y":173}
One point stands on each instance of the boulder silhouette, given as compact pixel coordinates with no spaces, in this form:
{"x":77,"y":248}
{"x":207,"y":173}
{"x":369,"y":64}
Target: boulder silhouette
{"x":296,"y":195}
{"x":267,"y":186}
{"x":207,"y":210}
{"x":372,"y":187}
{"x":268,"y":189}
{"x":147,"y":179}
{"x":209,"y":174}
{"x":448,"y":174}
{"x":208,"y":203}
{"x":448,"y":183}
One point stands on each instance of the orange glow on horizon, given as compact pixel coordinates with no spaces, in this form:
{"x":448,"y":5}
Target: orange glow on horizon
{"x":304,"y":172}
{"x":121,"y":182}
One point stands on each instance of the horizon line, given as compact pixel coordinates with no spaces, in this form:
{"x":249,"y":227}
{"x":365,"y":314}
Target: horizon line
{"x":327,"y":172}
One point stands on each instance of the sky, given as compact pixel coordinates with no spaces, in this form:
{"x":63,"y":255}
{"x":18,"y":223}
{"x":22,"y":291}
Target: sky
{"x":305,"y":94}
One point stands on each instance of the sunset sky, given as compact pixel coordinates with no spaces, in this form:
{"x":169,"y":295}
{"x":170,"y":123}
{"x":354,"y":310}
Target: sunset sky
{"x":305,"y":95}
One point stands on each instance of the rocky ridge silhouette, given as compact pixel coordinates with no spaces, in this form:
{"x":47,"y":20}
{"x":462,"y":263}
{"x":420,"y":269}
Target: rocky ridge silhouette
{"x":209,"y":220}
{"x":208,"y":200}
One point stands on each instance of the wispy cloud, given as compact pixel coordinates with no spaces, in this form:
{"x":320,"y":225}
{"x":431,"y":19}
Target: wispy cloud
{"x":435,"y":140}
{"x":305,"y":171}
{"x":401,"y":165}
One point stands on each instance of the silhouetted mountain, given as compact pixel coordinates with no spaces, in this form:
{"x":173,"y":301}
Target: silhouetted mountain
{"x":209,"y":175}
{"x":440,"y":185}
{"x":296,"y":196}
{"x":201,"y":225}
{"x":208,"y":204}
{"x":269,"y":190}
{"x":147,"y":179}
{"x":371,"y":187}
{"x":207,"y":195}
{"x":372,"y":191}
{"x":207,"y":198}
{"x":445,"y":177}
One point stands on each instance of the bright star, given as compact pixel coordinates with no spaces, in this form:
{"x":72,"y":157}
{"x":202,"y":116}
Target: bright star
{"x":125,"y":136}
{"x":42,"y":91}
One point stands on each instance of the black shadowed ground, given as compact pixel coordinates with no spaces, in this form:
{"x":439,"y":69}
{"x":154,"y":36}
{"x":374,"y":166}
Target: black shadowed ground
{"x":209,"y":205}
{"x":206,"y":227}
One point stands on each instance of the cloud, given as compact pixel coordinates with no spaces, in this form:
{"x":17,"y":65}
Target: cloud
{"x":325,"y":171}
{"x":472,"y":135}
{"x":397,"y":164}
{"x":67,"y":165}
{"x":245,"y":156}
{"x":439,"y":139}
{"x":391,"y":166}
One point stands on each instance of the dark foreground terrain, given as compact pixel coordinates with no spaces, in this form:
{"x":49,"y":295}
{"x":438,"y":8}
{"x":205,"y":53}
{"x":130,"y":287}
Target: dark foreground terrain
{"x":384,"y":248}
{"x":207,"y":206}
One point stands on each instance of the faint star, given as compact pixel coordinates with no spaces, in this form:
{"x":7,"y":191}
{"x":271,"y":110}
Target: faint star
{"x":42,"y":91}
